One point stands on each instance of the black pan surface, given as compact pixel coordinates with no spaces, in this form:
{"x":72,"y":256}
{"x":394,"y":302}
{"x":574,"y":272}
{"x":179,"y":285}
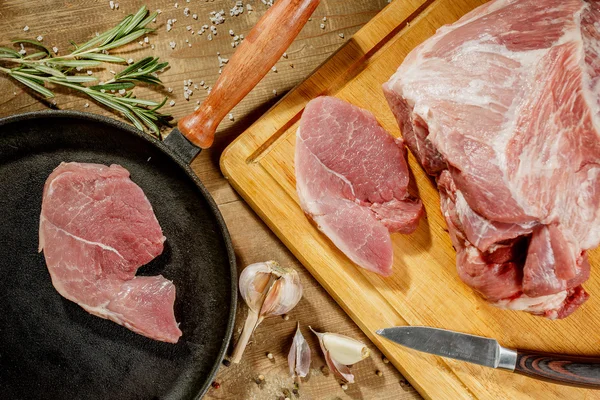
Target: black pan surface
{"x":50,"y":348}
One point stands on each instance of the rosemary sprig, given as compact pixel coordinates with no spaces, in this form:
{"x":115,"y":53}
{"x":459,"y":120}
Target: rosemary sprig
{"x":42,"y":67}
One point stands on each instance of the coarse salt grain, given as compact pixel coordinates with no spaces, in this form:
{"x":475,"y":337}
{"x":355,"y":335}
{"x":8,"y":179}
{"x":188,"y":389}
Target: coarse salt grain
{"x":172,"y":103}
{"x":172,"y":44}
{"x":40,"y":38}
{"x":284,"y":55}
{"x":274,"y":68}
{"x":26,"y":28}
{"x":116,"y":6}
{"x":195,"y":16}
{"x":111,"y":4}
{"x":231,"y":117}
{"x":146,"y":40}
{"x":170,"y":90}
{"x":322,"y":26}
{"x":274,"y":92}
{"x":209,"y":37}
{"x":324,"y":19}
{"x":237,"y":9}
{"x":176,"y":5}
{"x":341,"y":35}
{"x":186,"y":12}
{"x":189,"y":27}
{"x":86,"y":105}
{"x":231,"y":32}
{"x":121,"y":91}
{"x":55,"y":50}
{"x":130,"y":61}
{"x":89,"y":72}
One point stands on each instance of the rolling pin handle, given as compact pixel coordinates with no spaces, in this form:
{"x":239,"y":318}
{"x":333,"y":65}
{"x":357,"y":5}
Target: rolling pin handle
{"x":255,"y":56}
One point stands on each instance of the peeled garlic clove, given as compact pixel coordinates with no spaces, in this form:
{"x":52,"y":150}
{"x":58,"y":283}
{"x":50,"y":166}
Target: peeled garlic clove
{"x":340,"y":351}
{"x":345,"y":350}
{"x":299,"y":356}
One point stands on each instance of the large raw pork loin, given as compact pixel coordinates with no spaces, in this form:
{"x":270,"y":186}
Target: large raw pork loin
{"x":96,"y":229}
{"x":352,"y":178}
{"x":503,"y":107}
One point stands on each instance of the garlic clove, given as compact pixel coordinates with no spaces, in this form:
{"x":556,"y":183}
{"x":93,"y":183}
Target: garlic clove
{"x":341,"y":351}
{"x":340,"y":370}
{"x":345,"y":350}
{"x":284,"y":294}
{"x":268,"y":289}
{"x":255,"y":281}
{"x":299,"y":356}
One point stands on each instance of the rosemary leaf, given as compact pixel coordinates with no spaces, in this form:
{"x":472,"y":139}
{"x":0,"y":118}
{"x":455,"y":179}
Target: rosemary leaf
{"x":33,"y":85}
{"x":9,"y":53}
{"x":148,"y":122}
{"x":126,"y":39}
{"x":135,"y":20}
{"x":133,"y":67}
{"x":80,"y":79}
{"x":32,"y":42}
{"x":73,"y":63}
{"x":148,"y":103}
{"x":102,"y":57}
{"x":39,"y":54}
{"x":148,"y":19}
{"x":114,"y":86}
{"x":48,"y":70}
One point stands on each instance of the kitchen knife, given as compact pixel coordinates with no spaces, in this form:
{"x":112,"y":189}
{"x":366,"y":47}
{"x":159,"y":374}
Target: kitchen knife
{"x":582,"y":371}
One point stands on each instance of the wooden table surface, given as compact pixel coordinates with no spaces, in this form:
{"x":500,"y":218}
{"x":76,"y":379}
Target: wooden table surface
{"x":59,"y":21}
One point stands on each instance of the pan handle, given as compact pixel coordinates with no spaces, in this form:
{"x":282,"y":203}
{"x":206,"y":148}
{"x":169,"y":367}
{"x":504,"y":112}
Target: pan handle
{"x":257,"y":53}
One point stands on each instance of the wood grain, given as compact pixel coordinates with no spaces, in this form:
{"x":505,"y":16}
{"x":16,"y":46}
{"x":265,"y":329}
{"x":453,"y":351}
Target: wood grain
{"x":425,"y":288}
{"x":569,"y":370}
{"x":62,"y":20}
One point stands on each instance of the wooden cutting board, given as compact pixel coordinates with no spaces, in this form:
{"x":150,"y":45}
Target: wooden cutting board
{"x":424,"y":289}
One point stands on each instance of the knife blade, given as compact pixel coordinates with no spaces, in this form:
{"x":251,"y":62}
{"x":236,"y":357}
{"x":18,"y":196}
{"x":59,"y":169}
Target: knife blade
{"x":460,"y":346}
{"x":581,"y":371}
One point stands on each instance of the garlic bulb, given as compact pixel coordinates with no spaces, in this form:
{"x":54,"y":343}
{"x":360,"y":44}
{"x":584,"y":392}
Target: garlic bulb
{"x":268,"y":289}
{"x":341,"y":351}
{"x":299,"y":356}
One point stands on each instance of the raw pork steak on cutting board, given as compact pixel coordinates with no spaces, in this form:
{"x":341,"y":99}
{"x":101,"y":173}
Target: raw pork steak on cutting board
{"x":96,"y":229}
{"x":503,"y":107}
{"x":352,"y":179}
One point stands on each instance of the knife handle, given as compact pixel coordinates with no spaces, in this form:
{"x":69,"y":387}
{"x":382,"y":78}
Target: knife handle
{"x":582,"y":371}
{"x":255,"y":56}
